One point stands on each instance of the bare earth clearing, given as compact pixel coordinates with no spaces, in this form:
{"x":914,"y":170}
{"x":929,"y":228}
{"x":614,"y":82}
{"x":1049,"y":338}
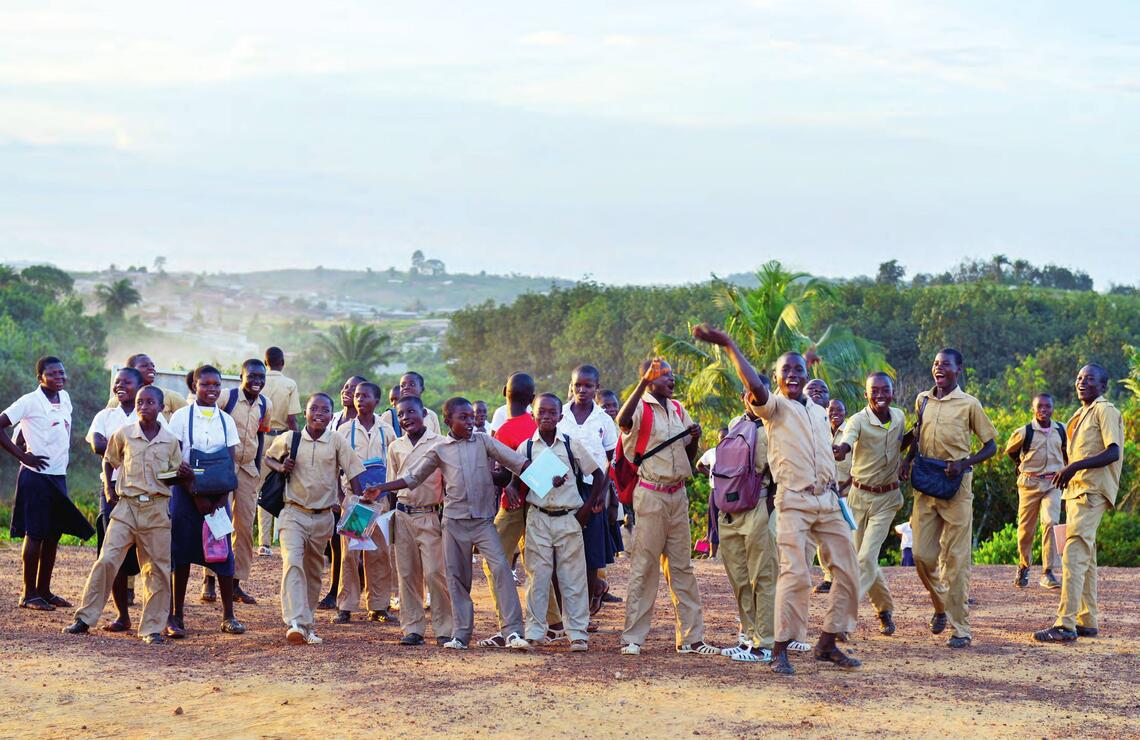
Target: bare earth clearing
{"x":361,"y":683}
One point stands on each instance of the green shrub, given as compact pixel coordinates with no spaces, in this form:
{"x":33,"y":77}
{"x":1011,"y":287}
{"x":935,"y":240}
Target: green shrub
{"x":1118,"y":540}
{"x":1001,"y":547}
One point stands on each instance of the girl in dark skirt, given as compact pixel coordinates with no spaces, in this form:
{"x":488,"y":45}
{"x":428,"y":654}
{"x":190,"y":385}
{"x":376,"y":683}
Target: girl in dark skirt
{"x":213,"y":430}
{"x":42,"y":512}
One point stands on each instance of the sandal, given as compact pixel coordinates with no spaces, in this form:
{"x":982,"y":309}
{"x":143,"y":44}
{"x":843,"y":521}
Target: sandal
{"x":839,"y":658}
{"x":37,"y":603}
{"x":58,"y":601}
{"x":595,"y":604}
{"x":593,"y":626}
{"x":579,"y":646}
{"x":698,"y":648}
{"x":799,"y":647}
{"x":118,"y":625}
{"x":494,"y":641}
{"x":553,"y":635}
{"x":761,"y":655}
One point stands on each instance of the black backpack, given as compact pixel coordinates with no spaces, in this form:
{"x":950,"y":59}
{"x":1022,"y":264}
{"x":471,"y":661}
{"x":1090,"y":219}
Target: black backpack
{"x":1028,"y":437}
{"x":271,"y":497}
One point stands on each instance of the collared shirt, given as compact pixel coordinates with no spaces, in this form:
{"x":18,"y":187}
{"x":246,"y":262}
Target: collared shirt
{"x":313,"y":482}
{"x":760,"y":456}
{"x":799,"y":443}
{"x":671,"y":465}
{"x":46,"y":427}
{"x":1091,"y":430}
{"x":598,"y":434}
{"x":366,"y":443}
{"x":876,"y":454}
{"x":391,"y":421}
{"x":842,"y":467}
{"x":248,"y":420}
{"x":565,"y":496}
{"x":948,"y":422}
{"x":1044,"y":454}
{"x":107,"y":422}
{"x":138,"y":461}
{"x":213,"y":429}
{"x":281,"y":391}
{"x":171,"y":402}
{"x":403,"y":454}
{"x":468,"y":492}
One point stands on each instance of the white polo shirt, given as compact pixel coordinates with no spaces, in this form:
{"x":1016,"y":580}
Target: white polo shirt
{"x":598,"y":434}
{"x":46,"y":427}
{"x":213,"y":429}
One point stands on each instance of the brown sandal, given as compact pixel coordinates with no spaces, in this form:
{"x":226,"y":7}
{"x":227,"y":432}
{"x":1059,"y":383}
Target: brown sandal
{"x":117,"y":626}
{"x":839,"y":658}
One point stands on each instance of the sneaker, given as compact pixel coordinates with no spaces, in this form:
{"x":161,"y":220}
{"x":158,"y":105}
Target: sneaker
{"x":517,"y":641}
{"x":311,"y":637}
{"x":295,"y":634}
{"x":265,"y":552}
{"x":631,"y":649}
{"x":209,"y":593}
{"x":232,"y":627}
{"x":455,"y":644}
{"x":442,"y":640}
{"x":78,"y":627}
{"x":412,"y":639}
{"x":799,"y":647}
{"x":1022,"y":579}
{"x":959,"y":642}
{"x":823,"y":588}
{"x":1055,"y":634}
{"x":242,"y":596}
{"x":1087,"y":631}
{"x":1048,"y":580}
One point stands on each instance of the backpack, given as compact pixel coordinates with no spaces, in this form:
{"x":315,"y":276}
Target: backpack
{"x":738,"y":484}
{"x":1028,"y":437}
{"x":261,"y":422}
{"x":624,"y":471}
{"x":271,"y":497}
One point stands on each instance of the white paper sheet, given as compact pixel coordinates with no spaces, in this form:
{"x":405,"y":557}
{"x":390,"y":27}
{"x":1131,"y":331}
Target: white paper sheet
{"x":384,"y":524}
{"x":219,"y":523}
{"x":363,"y":545}
{"x":542,"y":471}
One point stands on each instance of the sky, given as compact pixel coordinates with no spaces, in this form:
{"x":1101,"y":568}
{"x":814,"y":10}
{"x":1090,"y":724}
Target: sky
{"x":634,"y":142}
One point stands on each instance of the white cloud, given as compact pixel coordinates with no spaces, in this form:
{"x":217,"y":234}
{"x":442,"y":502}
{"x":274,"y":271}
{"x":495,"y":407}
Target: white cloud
{"x":546,"y":38}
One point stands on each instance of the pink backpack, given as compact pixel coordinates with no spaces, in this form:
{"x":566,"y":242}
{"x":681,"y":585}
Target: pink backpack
{"x":738,"y":485}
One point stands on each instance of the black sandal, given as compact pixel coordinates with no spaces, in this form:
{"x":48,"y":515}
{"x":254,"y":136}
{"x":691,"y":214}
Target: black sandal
{"x":59,"y":601}
{"x":839,"y":658}
{"x":37,"y":603}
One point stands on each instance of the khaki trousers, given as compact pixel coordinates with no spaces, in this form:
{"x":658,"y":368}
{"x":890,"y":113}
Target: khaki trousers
{"x":873,"y":513}
{"x":460,"y":538}
{"x":1037,"y":500}
{"x":264,"y":528}
{"x":379,"y":576}
{"x":555,"y":542}
{"x":419,"y":558}
{"x":303,"y":540}
{"x":813,"y":553}
{"x":1078,"y":580}
{"x":748,"y":549}
{"x":662,"y":543}
{"x":942,"y":534}
{"x":146,"y":525}
{"x":245,"y":513}
{"x":800,"y":515}
{"x":510,"y":524}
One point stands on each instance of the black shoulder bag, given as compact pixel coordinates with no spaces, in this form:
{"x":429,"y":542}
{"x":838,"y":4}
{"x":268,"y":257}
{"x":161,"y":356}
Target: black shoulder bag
{"x":214,"y":472}
{"x":928,"y":474}
{"x":271,"y":497}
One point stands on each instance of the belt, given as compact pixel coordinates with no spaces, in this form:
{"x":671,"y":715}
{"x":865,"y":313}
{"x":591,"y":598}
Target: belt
{"x":1041,"y":475}
{"x":554,"y":512}
{"x":409,"y":509}
{"x":875,"y":489}
{"x":276,"y":432}
{"x":659,"y":488}
{"x":143,"y":498}
{"x":306,"y":509}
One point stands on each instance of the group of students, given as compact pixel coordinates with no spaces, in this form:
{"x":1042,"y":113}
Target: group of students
{"x":815,"y":481}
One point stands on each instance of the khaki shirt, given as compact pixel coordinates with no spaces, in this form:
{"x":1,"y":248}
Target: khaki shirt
{"x":1091,"y":430}
{"x":468,"y":491}
{"x":431,"y":421}
{"x":247,"y":418}
{"x":140,"y":460}
{"x":842,"y":467}
{"x":760,"y":457}
{"x":402,"y":456}
{"x":671,"y":465}
{"x":1044,"y":455}
{"x":313,"y":482}
{"x":876,"y":454}
{"x":948,"y":422}
{"x":565,"y":496}
{"x":171,"y":402}
{"x":282,"y":394}
{"x":799,"y":443}
{"x":366,"y":443}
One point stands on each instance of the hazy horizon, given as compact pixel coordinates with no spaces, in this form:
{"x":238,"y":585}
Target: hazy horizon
{"x":651,"y":142}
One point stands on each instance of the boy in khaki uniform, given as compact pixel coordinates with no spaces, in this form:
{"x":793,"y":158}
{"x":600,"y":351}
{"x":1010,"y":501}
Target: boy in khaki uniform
{"x":943,"y":528}
{"x":250,"y":412}
{"x":285,"y":404}
{"x":662,"y":540}
{"x":1090,"y":482}
{"x":1037,"y":497}
{"x":872,"y":441}
{"x":306,"y":522}
{"x":417,"y":531}
{"x":802,"y":462}
{"x":140,"y":451}
{"x":367,"y":438}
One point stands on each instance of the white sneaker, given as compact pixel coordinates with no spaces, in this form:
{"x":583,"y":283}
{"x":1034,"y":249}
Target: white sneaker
{"x":311,"y":637}
{"x":631,"y":649}
{"x":455,"y":644}
{"x":516,"y":641}
{"x":295,"y":634}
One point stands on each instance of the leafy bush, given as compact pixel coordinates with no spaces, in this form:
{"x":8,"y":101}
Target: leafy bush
{"x":1117,"y":541}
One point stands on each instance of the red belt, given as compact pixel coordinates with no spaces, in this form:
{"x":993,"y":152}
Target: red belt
{"x":661,"y":489}
{"x":875,"y":489}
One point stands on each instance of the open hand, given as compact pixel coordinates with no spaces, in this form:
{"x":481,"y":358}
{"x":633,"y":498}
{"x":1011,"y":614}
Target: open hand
{"x":657,"y":368}
{"x":514,"y":498}
{"x":35,"y":462}
{"x":711,"y":334}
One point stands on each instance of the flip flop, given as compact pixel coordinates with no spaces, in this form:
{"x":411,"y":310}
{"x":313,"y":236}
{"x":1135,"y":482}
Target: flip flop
{"x":59,"y":601}
{"x":37,"y":603}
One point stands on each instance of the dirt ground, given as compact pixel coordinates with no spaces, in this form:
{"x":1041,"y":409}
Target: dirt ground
{"x":361,"y":682}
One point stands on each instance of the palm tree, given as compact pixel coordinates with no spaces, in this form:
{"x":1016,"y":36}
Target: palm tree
{"x":767,"y":321}
{"x":117,"y":297}
{"x":355,"y":347}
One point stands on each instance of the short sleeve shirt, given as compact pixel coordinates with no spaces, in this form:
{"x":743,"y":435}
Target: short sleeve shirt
{"x":107,"y":422}
{"x":842,"y":467}
{"x":565,"y":496}
{"x":214,"y":429}
{"x":799,"y":443}
{"x":248,"y":421}
{"x":671,"y":465}
{"x":138,"y":461}
{"x":282,"y":393}
{"x":1044,"y":454}
{"x":46,"y":427}
{"x":1091,"y":430}
{"x":313,"y":482}
{"x":948,"y":422}
{"x":402,"y":455}
{"x":469,"y":492}
{"x":876,"y":453}
{"x":598,"y":434}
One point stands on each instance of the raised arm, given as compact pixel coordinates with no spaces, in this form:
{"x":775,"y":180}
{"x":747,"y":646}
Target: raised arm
{"x":744,"y":369}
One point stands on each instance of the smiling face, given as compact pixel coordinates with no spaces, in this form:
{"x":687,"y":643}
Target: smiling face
{"x":1043,"y":411}
{"x":791,"y":375}
{"x":547,"y":414}
{"x":208,"y":388}
{"x":460,"y":419}
{"x":610,"y":405}
{"x":818,"y":392}
{"x":253,"y":379}
{"x":836,"y":413}
{"x":348,"y":391}
{"x":126,"y":387}
{"x":365,"y":400}
{"x":318,"y":414}
{"x":880,"y":393}
{"x":664,"y":386}
{"x":945,"y":371}
{"x":1091,"y":384}
{"x":411,"y":417}
{"x":54,"y":377}
{"x":148,"y":406}
{"x":410,"y":386}
{"x":145,"y":365}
